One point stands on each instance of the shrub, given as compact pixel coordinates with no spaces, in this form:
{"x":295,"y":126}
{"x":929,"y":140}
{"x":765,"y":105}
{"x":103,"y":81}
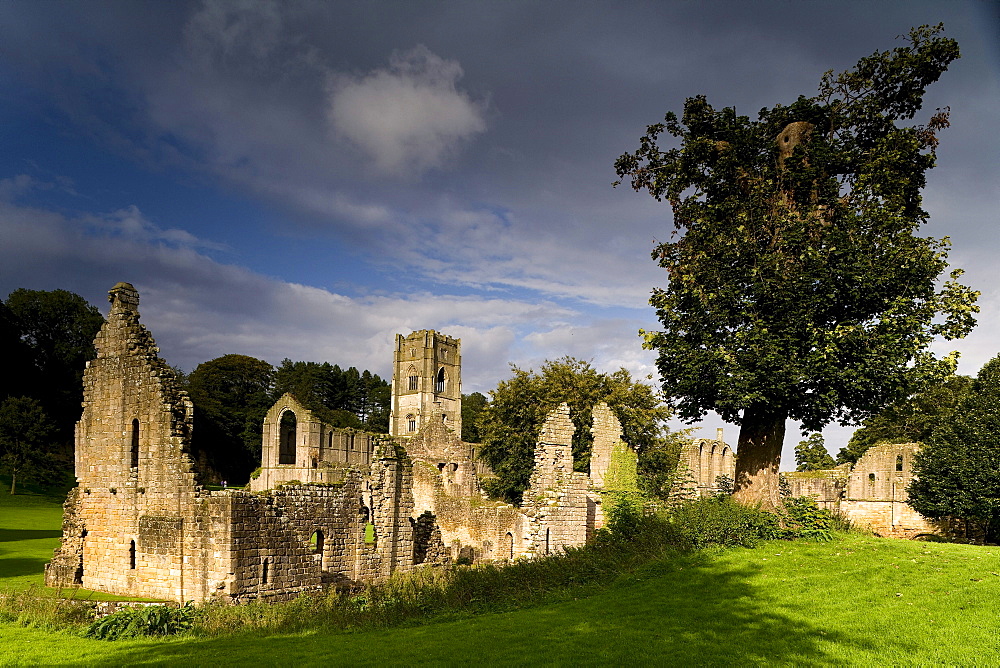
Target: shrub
{"x":623,"y":513}
{"x":722,"y":522}
{"x":805,"y":519}
{"x":151,"y":620}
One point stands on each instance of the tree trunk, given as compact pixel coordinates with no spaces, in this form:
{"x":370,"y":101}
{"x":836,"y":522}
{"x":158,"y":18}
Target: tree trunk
{"x":758,"y":456}
{"x":13,"y":480}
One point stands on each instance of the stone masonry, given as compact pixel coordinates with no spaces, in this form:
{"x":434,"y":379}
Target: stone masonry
{"x":872,"y":493}
{"x":330,"y":506}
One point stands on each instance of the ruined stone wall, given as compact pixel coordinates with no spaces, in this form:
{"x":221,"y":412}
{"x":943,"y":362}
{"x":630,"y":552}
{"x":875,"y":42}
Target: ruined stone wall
{"x":702,"y":462}
{"x":607,"y":433}
{"x":556,"y":502}
{"x":139,"y":524}
{"x":321,"y":453}
{"x":827,"y":487}
{"x":876,"y":492}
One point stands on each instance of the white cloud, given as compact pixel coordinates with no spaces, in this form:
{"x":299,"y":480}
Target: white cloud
{"x":199,"y":308}
{"x":407,"y":117}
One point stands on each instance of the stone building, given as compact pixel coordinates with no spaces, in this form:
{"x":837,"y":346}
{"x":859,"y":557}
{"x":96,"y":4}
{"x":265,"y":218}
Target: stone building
{"x":702,"y":462}
{"x":872,"y":493}
{"x":328,"y":506}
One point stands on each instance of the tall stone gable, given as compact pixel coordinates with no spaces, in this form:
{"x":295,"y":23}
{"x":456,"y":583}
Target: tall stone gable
{"x":426,"y":382}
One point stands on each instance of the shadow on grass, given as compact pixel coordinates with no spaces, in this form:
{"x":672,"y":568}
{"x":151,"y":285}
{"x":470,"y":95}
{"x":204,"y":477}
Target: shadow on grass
{"x":688,"y":611}
{"x":7,"y":535}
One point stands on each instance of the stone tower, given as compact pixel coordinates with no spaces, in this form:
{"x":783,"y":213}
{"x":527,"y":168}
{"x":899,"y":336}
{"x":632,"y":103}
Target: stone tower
{"x":426,"y":382}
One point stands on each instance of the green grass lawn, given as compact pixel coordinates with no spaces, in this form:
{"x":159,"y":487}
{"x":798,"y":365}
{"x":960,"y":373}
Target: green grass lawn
{"x":857,"y":600}
{"x":30,"y":527}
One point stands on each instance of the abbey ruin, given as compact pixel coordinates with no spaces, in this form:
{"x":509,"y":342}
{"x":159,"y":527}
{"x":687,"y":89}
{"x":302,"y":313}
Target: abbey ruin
{"x":329,"y":505}
{"x":338,"y":506}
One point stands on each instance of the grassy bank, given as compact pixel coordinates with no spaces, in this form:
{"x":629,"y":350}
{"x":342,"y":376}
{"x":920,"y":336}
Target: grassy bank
{"x":30,"y":528}
{"x":857,"y":600}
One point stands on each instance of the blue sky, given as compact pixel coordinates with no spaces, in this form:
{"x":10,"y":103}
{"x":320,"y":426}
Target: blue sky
{"x":307,"y":179}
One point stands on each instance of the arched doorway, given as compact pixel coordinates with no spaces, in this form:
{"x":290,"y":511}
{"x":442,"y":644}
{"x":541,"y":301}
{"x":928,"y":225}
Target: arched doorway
{"x":286,"y":438}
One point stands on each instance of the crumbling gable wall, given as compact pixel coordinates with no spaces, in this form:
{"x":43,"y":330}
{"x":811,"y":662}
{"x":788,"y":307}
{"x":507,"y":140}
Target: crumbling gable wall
{"x":136,"y":524}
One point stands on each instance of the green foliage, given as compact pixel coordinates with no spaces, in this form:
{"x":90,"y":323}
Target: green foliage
{"x":910,"y":420}
{"x":231,"y":395}
{"x":342,"y":398}
{"x":510,"y":424}
{"x":722,"y":522}
{"x":136,"y":622}
{"x":812,"y":455}
{"x":657,"y":464}
{"x":472,"y":406}
{"x":25,"y":437}
{"x":957,"y":472}
{"x":805,"y":519}
{"x":784,"y":603}
{"x":47,"y":339}
{"x":724,"y":484}
{"x":623,"y":513}
{"x":621,"y":475}
{"x":798,"y":287}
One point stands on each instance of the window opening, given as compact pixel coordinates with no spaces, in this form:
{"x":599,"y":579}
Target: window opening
{"x":871,"y":477}
{"x":131,"y":554}
{"x":286,"y":438}
{"x":439,"y":383}
{"x":414,"y":382}
{"x":899,"y":462}
{"x":547,"y":542}
{"x":510,"y":545}
{"x":263,"y":572}
{"x":423,"y":528}
{"x":411,"y":422}
{"x":316,"y":541}
{"x":135,"y":445}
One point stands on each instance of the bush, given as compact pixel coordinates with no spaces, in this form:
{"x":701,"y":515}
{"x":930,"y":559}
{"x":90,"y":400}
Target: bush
{"x":805,"y":519}
{"x":723,"y":522}
{"x":150,"y":620}
{"x":623,"y":513}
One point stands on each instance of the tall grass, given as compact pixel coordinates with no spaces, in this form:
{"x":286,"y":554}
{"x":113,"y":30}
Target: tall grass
{"x":434,"y":592}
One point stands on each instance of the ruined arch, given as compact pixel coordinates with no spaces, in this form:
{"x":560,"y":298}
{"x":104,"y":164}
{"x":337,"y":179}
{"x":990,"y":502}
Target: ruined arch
{"x":439,"y":381}
{"x":287,"y":428}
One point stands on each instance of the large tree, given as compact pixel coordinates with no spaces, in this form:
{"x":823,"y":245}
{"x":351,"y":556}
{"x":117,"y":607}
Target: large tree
{"x":957,"y":472}
{"x":811,"y":454}
{"x":25,"y":442}
{"x":797,"y":286}
{"x":908,"y":420}
{"x":510,"y":424}
{"x":341,"y":397}
{"x":56,"y":331}
{"x":231,"y":396}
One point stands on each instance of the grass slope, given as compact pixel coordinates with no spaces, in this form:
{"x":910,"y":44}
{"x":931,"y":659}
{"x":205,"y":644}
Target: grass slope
{"x":857,"y":600}
{"x":30,"y":528}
